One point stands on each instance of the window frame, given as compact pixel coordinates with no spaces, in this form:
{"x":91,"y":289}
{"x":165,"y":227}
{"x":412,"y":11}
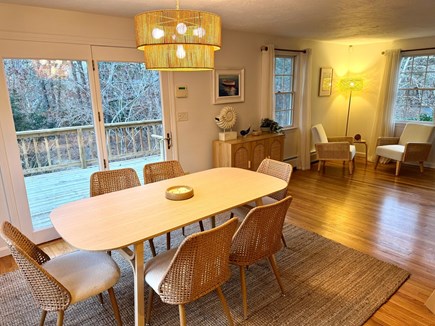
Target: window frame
{"x":292,"y":92}
{"x":407,"y":91}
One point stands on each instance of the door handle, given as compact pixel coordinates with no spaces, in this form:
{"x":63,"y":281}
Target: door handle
{"x":168,"y":140}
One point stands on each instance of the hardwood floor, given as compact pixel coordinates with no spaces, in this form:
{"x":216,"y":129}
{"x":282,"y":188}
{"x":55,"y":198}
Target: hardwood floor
{"x":390,"y":218}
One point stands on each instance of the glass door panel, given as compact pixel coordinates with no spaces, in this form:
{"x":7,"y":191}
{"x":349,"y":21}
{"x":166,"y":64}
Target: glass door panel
{"x":53,"y":117}
{"x":130,"y":96}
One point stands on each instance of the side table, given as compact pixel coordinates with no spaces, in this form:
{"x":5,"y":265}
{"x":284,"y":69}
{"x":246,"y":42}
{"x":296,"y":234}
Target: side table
{"x":363,"y":142}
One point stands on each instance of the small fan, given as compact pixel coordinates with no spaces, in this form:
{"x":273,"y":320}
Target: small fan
{"x":226,"y":120}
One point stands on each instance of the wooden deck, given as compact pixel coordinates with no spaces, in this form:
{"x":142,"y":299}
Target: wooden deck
{"x":48,"y":191}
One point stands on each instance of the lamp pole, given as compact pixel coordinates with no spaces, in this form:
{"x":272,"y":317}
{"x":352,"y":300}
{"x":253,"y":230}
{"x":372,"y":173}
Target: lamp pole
{"x":348,"y":112}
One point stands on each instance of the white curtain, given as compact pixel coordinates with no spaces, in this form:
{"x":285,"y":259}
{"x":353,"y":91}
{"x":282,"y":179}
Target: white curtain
{"x":303,"y":106}
{"x":384,"y":122}
{"x":266,"y":92}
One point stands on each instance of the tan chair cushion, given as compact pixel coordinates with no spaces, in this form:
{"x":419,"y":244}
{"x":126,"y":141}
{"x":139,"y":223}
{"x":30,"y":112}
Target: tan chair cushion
{"x":83,"y":273}
{"x":394,"y":152}
{"x":155,"y":269}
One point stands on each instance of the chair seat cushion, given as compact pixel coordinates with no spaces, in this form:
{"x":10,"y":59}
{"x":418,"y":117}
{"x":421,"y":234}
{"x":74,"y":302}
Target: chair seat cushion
{"x":352,"y":151}
{"x":394,"y":152}
{"x":156,"y":268}
{"x":83,"y":273}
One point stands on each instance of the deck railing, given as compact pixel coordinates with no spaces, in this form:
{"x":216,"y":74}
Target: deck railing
{"x":57,"y":149}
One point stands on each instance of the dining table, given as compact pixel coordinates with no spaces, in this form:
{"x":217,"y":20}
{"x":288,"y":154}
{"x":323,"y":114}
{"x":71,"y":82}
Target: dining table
{"x":131,"y":216}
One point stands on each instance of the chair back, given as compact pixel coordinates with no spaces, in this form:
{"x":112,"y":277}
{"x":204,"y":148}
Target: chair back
{"x":199,"y":266}
{"x":103,"y":182}
{"x":259,"y":235}
{"x":319,"y":134}
{"x":46,"y":290}
{"x":416,"y":133}
{"x":159,"y":171}
{"x":279,"y":170}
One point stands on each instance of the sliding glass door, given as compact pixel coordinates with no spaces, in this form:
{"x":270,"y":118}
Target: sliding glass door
{"x":74,"y":110}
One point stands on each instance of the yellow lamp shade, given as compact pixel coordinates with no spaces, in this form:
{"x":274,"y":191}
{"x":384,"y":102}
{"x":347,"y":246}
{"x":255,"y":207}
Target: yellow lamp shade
{"x":351,"y":84}
{"x":178,"y":39}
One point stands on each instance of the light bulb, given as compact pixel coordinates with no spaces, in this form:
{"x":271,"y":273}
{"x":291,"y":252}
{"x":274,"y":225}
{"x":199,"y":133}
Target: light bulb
{"x":200,"y":32}
{"x":181,"y":28}
{"x":157,"y":33}
{"x":181,"y":53}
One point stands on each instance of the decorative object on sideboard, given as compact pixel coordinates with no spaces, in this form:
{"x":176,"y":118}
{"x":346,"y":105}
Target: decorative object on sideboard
{"x":178,"y":40}
{"x":269,"y":125}
{"x":245,"y":132}
{"x":226,"y":120}
{"x":350,"y":85}
{"x":357,"y":137}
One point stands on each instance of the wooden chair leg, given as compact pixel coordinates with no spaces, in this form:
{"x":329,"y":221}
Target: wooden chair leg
{"x":168,"y":241}
{"x":42,"y":320}
{"x":60,"y":314}
{"x":115,"y":306}
{"x":100,"y":297}
{"x":244,"y":294}
{"x":421,"y":166}
{"x":319,"y":166}
{"x":201,"y":226}
{"x":182,"y":312}
{"x":182,"y":231}
{"x":398,"y":163}
{"x":377,"y":161}
{"x":283,"y":240}
{"x":350,"y":166}
{"x":225,"y":306}
{"x":213,"y":221}
{"x":152,"y":247}
{"x":149,"y":306}
{"x":272,"y":262}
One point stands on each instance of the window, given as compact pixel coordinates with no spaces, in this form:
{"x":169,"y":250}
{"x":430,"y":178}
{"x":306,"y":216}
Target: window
{"x":416,"y":89}
{"x":284,"y":89}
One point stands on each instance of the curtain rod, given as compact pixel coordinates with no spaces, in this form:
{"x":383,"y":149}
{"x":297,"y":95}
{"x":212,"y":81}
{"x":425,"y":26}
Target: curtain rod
{"x":264,"y":48}
{"x":421,"y":49}
{"x":411,"y":50}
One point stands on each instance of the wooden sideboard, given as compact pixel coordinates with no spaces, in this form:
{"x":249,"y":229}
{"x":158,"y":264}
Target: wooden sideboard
{"x":248,"y":152}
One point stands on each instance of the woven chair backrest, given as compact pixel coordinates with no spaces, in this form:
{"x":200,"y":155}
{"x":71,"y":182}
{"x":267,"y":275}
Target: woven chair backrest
{"x":159,"y":171}
{"x":279,"y":170}
{"x":49,"y":294}
{"x":103,"y":182}
{"x":200,"y":265}
{"x":259,"y":235}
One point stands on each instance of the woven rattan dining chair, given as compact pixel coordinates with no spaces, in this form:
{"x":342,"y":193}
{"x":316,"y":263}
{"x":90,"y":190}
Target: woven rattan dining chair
{"x":199,"y":266}
{"x":259,"y":237}
{"x":158,"y":171}
{"x":64,"y":280}
{"x":279,"y":170}
{"x":103,"y":182}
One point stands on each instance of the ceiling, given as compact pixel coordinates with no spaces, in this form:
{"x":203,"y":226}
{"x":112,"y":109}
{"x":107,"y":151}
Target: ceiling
{"x":343,"y":21}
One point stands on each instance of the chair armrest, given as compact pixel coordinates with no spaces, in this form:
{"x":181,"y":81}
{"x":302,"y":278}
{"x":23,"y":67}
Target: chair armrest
{"x":333,"y":151}
{"x":341,"y":139}
{"x":387,"y":141}
{"x":416,"y":152}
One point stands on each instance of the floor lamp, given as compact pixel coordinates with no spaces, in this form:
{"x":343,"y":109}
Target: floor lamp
{"x":350,"y":85}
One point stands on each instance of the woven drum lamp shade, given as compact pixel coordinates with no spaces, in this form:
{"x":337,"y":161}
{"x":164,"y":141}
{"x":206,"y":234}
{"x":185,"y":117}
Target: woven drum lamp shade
{"x":178,"y":40}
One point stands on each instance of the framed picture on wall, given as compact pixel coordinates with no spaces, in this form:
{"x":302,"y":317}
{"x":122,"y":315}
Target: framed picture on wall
{"x":228,"y":86}
{"x":325,"y":81}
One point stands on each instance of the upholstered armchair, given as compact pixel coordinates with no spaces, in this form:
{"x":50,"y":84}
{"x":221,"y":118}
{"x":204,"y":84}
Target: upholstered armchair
{"x":413,"y":145}
{"x":333,"y":148}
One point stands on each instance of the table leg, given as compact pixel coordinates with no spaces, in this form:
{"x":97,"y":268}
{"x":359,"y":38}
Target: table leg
{"x":139,"y":315}
{"x":259,"y":202}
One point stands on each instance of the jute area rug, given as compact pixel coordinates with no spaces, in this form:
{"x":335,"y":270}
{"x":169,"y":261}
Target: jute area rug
{"x":326,"y":284}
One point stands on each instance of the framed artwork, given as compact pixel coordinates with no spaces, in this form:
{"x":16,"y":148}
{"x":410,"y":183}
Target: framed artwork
{"x":228,"y":86}
{"x":325,"y":82}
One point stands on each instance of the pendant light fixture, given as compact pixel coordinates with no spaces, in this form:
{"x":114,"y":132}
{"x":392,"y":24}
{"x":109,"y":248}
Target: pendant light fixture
{"x":178,"y":40}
